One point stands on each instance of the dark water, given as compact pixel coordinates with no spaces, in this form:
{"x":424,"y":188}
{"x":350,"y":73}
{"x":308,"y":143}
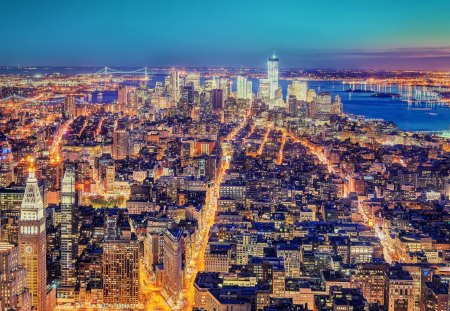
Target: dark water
{"x":435,"y":118}
{"x":391,"y":109}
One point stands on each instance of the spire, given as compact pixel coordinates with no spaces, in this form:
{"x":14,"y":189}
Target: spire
{"x":32,"y":197}
{"x":31,"y":170}
{"x":241,"y":71}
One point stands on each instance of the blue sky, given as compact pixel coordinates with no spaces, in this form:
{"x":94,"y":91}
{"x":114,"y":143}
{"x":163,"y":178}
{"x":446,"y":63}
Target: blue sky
{"x":305,"y":34}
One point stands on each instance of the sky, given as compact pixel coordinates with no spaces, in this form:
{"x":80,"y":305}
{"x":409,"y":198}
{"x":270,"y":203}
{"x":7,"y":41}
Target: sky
{"x":347,"y":34}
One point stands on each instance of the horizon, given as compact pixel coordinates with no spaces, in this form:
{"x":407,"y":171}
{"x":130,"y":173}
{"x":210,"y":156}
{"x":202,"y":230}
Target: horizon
{"x":329,"y":35}
{"x":262,"y":69}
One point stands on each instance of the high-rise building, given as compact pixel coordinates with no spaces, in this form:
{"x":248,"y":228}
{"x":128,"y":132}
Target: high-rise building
{"x":10,"y":201}
{"x":211,"y":84}
{"x":32,"y":241}
{"x":121,"y":148}
{"x":272,"y":75}
{"x":249,"y":89}
{"x":205,"y":107}
{"x":225,"y":86}
{"x":174,"y":86}
{"x":110,"y":177}
{"x":186,"y":103}
{"x":69,"y":108}
{"x":193,"y":79}
{"x":121,"y":272}
{"x":172,"y":277}
{"x":68,"y":228}
{"x":264,"y":89}
{"x":14,"y":294}
{"x":6,"y":164}
{"x":299,"y":89}
{"x":243,"y":88}
{"x":217,"y":98}
{"x":122,"y":98}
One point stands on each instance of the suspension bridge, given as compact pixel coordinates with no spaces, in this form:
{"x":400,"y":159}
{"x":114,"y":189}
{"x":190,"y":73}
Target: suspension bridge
{"x":31,"y":101}
{"x":111,"y":71}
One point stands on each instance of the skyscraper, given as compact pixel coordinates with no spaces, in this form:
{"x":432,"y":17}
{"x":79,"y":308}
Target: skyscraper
{"x":225,"y":86}
{"x":264,"y":90}
{"x":122,"y":98}
{"x":121,"y":272}
{"x":217,"y":99}
{"x":32,"y":241}
{"x":68,"y":228}
{"x":69,"y":106}
{"x":193,"y":79}
{"x":272,"y":75}
{"x":172,"y":277}
{"x":121,"y":144}
{"x":241,"y":87}
{"x":13,"y":294}
{"x":6,"y":164}
{"x":175,"y":85}
{"x":299,"y":89}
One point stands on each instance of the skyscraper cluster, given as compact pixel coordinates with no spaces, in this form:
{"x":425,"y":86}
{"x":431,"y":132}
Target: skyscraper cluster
{"x":216,"y":189}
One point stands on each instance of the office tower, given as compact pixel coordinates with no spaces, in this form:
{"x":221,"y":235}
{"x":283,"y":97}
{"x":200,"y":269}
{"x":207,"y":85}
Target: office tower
{"x":299,"y":89}
{"x":193,"y":79}
{"x":121,"y":272}
{"x":121,"y":144}
{"x":264,"y":89}
{"x":110,"y":177}
{"x":14,"y":295}
{"x":6,"y":164}
{"x":174,"y":85}
{"x":122,"y":98}
{"x":311,"y":95}
{"x":32,"y":241}
{"x":205,"y":107}
{"x":337,"y":107}
{"x":217,"y":98}
{"x":211,"y":84}
{"x":111,"y":229}
{"x":272,"y":75}
{"x":10,"y":202}
{"x":69,"y":108}
{"x":68,"y":228}
{"x":172,"y":277}
{"x":186,"y":103}
{"x":225,"y":86}
{"x":241,"y":87}
{"x":249,"y":89}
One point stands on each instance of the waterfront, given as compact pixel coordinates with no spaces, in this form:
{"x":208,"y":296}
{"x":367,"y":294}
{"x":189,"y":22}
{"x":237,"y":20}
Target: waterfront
{"x":432,"y":118}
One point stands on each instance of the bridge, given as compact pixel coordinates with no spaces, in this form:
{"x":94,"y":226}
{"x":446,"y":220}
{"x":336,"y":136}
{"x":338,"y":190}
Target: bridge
{"x":111,"y":71}
{"x":444,"y":133}
{"x":29,"y":101}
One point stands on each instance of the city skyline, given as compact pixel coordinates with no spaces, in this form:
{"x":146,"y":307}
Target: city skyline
{"x":379,"y":35}
{"x":181,"y":156}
